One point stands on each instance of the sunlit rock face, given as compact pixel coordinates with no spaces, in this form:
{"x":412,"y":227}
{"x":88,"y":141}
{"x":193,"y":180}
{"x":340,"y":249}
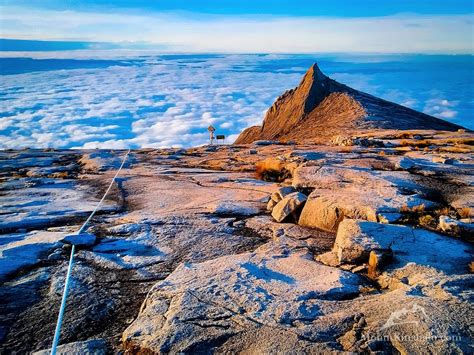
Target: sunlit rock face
{"x":320,"y":107}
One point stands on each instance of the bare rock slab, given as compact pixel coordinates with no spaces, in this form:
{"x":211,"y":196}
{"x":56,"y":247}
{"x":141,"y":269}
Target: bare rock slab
{"x":204,"y":303}
{"x":90,"y":347}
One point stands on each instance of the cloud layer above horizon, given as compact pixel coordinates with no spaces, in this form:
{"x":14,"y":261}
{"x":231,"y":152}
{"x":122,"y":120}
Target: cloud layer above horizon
{"x":182,"y":31}
{"x":164,"y":101}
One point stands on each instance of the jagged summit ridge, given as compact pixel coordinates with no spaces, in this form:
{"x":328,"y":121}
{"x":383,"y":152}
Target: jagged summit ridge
{"x":320,"y":107}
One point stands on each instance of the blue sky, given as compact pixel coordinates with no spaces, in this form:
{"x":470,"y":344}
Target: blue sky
{"x":342,"y":8}
{"x":240,"y":26}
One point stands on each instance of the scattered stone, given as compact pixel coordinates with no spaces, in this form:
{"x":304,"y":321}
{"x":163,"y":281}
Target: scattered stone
{"x":345,"y":192}
{"x":228,"y":208}
{"x":329,"y":258}
{"x":211,"y":148}
{"x":389,"y":217}
{"x":56,"y":255}
{"x":343,"y":141}
{"x":276,"y":197}
{"x":360,"y":268}
{"x":348,"y":267}
{"x":289,"y":205}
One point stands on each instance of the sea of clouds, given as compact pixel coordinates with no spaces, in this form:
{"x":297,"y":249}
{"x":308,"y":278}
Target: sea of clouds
{"x":164,"y":101}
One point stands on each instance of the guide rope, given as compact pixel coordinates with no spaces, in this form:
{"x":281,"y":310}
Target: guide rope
{"x":57,"y":332}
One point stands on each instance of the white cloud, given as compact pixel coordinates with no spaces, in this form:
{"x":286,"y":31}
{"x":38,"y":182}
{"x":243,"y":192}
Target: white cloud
{"x":160,"y":103}
{"x":441,"y":108}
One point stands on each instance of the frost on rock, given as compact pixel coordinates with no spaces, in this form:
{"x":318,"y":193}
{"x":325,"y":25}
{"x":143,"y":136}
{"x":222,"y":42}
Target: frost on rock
{"x":25,"y":250}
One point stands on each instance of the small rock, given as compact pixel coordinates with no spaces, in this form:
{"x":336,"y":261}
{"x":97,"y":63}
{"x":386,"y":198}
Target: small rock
{"x":238,"y":224}
{"x":271,"y":203}
{"x":343,"y":141}
{"x":390,"y":217}
{"x":447,"y":224}
{"x":348,"y":267}
{"x":252,"y":151}
{"x":288,"y":205}
{"x":377,"y":260}
{"x":80,"y":240}
{"x":284,"y":191}
{"x":275,"y":197}
{"x":210,"y":148}
{"x":359,"y":268}
{"x":329,"y":259}
{"x":263,"y":143}
{"x":442,"y":160}
{"x":228,"y":208}
{"x":174,"y":157}
{"x":405,"y":164}
{"x":461,"y":228}
{"x":55,"y":256}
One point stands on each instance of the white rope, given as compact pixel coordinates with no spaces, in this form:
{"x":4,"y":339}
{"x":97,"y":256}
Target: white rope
{"x":57,"y":332}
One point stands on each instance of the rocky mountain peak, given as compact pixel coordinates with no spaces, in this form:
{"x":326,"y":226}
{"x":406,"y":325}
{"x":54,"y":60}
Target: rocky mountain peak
{"x":320,"y":107}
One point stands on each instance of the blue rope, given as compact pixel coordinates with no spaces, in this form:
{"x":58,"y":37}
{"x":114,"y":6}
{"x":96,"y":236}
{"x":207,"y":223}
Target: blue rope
{"x":57,"y":332}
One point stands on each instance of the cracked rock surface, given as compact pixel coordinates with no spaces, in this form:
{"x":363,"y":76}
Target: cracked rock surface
{"x":187,"y":258}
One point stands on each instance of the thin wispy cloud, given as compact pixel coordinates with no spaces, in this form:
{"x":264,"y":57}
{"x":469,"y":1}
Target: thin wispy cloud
{"x":192,"y":32}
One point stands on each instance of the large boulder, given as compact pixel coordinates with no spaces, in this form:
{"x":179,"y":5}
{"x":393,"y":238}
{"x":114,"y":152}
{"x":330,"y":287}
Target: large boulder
{"x":358,"y":193}
{"x":289,"y":205}
{"x":323,"y":212}
{"x":356,"y":239}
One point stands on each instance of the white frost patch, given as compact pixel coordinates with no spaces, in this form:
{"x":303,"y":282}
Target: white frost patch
{"x":47,"y":203}
{"x":233,"y":209}
{"x":26,"y":250}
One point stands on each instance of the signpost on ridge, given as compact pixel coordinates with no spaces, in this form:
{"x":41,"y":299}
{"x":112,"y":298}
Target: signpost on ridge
{"x":211,"y":130}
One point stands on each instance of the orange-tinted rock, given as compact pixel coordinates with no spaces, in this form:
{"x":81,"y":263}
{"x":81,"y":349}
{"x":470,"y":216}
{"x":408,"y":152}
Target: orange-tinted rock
{"x":319,"y":108}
